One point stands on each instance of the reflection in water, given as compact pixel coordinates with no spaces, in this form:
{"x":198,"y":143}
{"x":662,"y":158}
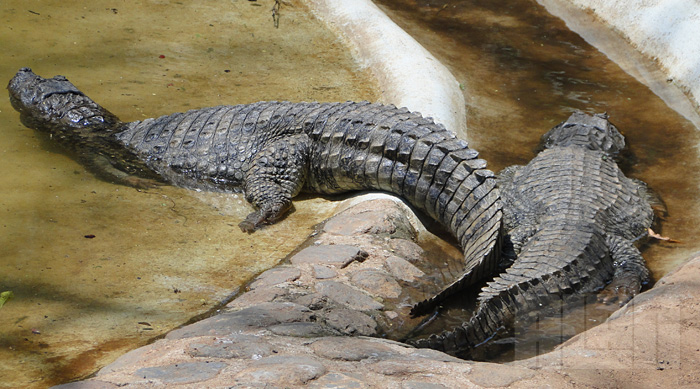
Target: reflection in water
{"x":98,"y":269}
{"x":523,"y":72}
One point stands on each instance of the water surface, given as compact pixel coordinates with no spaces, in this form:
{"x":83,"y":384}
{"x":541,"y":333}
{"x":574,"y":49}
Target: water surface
{"x":98,"y":269}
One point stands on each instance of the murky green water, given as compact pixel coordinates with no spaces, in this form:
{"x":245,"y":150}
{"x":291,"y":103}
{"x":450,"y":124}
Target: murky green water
{"x":162,"y":256}
{"x":523,"y":72}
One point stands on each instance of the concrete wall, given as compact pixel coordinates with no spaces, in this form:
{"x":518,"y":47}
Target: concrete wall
{"x":668,"y":31}
{"x":408,"y":75}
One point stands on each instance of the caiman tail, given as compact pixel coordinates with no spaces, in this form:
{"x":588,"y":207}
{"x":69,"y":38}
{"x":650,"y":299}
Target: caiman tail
{"x":562,"y":262}
{"x":374,"y":146}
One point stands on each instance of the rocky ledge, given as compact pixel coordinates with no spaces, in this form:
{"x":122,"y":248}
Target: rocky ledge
{"x":310,"y":322}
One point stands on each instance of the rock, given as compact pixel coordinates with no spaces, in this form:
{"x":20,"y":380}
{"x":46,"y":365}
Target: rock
{"x":235,"y":346}
{"x":491,"y":375}
{"x":339,"y":380}
{"x":133,"y":357}
{"x":347,"y":295}
{"x":421,"y":385}
{"x":323,"y":272}
{"x":399,"y":367}
{"x":339,"y":255}
{"x":377,"y":283}
{"x":391,"y":315}
{"x":260,"y":316}
{"x":436,"y":356}
{"x":92,"y":384}
{"x":351,"y":322}
{"x":402,"y":269}
{"x":313,"y":301}
{"x":407,"y":249}
{"x":257,"y":296}
{"x":352,"y":349}
{"x":380,"y":217}
{"x":181,"y":373}
{"x":275,"y":276}
{"x":302,"y":330}
{"x":283,"y":370}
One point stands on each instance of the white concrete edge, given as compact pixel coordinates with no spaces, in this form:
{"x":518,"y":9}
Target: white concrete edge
{"x":408,"y":75}
{"x":665,"y":31}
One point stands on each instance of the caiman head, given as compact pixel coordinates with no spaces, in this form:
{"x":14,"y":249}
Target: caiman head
{"x":56,"y":106}
{"x":586,"y":131}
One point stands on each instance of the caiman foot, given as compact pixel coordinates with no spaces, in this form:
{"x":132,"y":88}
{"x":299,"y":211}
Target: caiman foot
{"x":253,"y":222}
{"x":260,"y":218}
{"x":621,"y":290}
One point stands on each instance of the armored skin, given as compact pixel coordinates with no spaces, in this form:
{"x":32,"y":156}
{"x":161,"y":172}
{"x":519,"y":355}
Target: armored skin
{"x":572,"y":217}
{"x":273,"y":150}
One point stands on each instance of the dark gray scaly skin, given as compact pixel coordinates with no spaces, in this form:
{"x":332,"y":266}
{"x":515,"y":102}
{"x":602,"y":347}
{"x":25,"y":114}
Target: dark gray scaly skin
{"x":273,"y":150}
{"x":572,"y":216}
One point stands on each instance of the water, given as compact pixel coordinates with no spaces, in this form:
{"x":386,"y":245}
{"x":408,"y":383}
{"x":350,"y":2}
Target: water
{"x":161,"y":256}
{"x":523,"y":72}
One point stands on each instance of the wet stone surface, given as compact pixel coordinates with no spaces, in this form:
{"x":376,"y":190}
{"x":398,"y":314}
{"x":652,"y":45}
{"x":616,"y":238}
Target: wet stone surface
{"x":402,"y":269}
{"x":376,"y":282}
{"x":347,"y":295}
{"x":352,"y":349}
{"x":295,"y":339}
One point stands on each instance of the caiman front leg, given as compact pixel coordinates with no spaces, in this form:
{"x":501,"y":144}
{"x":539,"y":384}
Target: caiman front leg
{"x":631,"y":272}
{"x":277,"y":174}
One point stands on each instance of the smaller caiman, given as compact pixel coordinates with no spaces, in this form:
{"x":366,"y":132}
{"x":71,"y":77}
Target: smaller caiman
{"x":573,"y":219}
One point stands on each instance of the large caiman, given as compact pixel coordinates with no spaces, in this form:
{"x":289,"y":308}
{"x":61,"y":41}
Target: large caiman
{"x":273,"y":150}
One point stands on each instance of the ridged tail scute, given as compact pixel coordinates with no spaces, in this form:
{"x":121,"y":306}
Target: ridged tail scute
{"x":373,"y":146}
{"x":470,"y":207}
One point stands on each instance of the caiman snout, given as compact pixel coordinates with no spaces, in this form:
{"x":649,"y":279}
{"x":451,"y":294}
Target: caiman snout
{"x":593,"y":132}
{"x":19,"y":83}
{"x":28,"y":90}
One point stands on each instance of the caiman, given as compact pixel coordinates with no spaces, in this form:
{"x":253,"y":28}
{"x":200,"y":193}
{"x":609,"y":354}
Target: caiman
{"x":573,"y":218}
{"x":273,"y":150}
